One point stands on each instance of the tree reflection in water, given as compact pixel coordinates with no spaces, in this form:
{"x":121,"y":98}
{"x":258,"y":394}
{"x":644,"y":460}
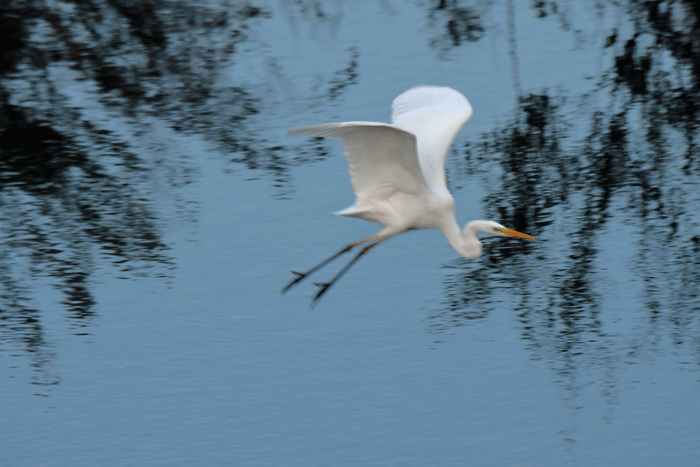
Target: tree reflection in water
{"x":75,"y":187}
{"x":634,"y":173}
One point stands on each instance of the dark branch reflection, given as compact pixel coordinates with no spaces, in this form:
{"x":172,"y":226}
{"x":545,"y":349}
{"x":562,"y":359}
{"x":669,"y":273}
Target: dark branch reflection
{"x":455,"y":22}
{"x":77,"y":189}
{"x":626,"y":169}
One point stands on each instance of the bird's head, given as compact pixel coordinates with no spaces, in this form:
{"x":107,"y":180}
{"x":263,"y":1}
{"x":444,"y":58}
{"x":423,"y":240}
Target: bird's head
{"x":472,"y":248}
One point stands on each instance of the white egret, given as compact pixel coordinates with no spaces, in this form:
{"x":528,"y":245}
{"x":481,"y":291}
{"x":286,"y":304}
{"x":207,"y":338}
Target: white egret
{"x":398,"y":174}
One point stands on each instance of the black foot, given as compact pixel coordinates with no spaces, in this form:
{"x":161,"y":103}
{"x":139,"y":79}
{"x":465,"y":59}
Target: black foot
{"x":322,"y":288}
{"x":299,"y":277}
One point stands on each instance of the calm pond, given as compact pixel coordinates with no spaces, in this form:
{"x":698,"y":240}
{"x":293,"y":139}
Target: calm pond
{"x":152,"y":207}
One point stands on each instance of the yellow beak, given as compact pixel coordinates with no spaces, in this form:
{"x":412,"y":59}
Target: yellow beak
{"x":515,"y":233}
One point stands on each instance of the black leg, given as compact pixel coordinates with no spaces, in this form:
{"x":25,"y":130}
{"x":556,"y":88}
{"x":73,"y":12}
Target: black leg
{"x":324,"y":286}
{"x":302,"y":275}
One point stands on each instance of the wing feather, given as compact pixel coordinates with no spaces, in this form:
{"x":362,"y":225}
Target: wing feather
{"x":435,"y":115}
{"x":382,"y":158}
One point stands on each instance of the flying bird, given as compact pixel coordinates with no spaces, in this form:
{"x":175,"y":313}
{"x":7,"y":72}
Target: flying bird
{"x":398,"y":175}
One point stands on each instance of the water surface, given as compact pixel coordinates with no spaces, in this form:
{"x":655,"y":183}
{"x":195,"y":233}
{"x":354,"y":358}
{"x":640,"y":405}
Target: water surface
{"x":151,"y":208}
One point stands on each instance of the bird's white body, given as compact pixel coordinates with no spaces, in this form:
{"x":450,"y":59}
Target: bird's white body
{"x":398,"y":170}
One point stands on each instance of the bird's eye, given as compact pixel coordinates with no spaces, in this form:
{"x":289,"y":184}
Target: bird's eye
{"x":496,"y":229}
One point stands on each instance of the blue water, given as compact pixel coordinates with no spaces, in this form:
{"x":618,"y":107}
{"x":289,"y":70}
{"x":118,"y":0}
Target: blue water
{"x":149,"y":221}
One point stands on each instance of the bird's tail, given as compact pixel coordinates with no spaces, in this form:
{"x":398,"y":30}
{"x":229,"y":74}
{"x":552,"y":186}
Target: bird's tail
{"x":353,"y":211}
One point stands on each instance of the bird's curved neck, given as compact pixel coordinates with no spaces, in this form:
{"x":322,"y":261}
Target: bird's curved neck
{"x":470,"y":231}
{"x":453,"y":234}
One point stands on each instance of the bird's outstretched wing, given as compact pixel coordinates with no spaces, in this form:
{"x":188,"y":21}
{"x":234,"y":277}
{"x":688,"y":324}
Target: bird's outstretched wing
{"x":435,"y":115}
{"x":381,"y":157}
